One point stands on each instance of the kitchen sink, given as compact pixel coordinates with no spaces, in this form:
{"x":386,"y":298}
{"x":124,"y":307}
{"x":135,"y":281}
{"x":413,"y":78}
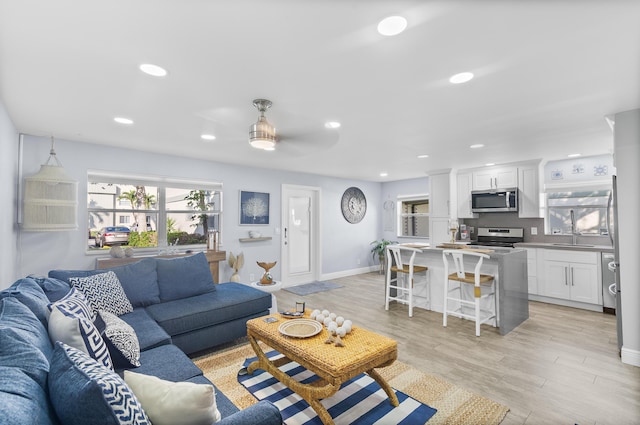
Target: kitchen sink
{"x":580,"y":245}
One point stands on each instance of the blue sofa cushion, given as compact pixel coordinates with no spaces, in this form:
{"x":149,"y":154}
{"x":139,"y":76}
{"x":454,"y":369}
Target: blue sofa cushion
{"x":29,"y":293}
{"x":184,"y":277}
{"x":53,"y":288}
{"x":139,"y":280}
{"x":230,"y":301}
{"x":17,"y":352}
{"x":167,"y":362}
{"x":150,"y":334}
{"x":83,"y":391}
{"x":103,"y":291}
{"x":16,"y":316}
{"x":22,"y":400}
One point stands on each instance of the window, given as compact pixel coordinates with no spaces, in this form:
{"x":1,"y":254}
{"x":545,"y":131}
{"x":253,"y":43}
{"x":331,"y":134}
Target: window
{"x":158,"y":211}
{"x":413,"y":217}
{"x":590,"y":209}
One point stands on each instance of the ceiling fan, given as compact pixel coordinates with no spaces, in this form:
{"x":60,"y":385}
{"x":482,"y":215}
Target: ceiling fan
{"x":262,"y":135}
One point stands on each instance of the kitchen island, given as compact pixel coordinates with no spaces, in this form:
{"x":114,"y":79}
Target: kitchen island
{"x":508,"y":265}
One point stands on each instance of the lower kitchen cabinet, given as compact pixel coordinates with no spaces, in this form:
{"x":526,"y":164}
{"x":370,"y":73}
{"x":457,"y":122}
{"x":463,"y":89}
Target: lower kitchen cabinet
{"x":571,"y":275}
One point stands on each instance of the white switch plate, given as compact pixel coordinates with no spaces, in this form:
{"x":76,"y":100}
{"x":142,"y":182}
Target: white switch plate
{"x":534,"y":230}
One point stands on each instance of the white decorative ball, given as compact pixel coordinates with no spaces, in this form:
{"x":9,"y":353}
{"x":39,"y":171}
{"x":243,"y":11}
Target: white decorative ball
{"x":320,"y":318}
{"x":325,"y":313}
{"x":332,"y":327}
{"x":327,"y":320}
{"x":333,"y":316}
{"x":347,"y":326}
{"x":339,"y":320}
{"x":314,"y":314}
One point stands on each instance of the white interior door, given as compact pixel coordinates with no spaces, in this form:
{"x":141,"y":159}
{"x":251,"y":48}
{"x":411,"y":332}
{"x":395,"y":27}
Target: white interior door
{"x":300,"y":232}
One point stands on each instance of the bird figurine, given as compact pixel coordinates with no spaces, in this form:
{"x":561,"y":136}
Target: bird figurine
{"x":266,"y":279}
{"x":236,"y":264}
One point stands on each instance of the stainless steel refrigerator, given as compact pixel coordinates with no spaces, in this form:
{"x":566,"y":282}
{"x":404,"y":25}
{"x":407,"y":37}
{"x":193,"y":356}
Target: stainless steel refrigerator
{"x":614,"y":266}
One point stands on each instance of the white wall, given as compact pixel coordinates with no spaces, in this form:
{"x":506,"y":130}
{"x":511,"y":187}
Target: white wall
{"x":627,"y":158}
{"x":8,"y":189}
{"x":390,"y":193}
{"x":344,"y":245}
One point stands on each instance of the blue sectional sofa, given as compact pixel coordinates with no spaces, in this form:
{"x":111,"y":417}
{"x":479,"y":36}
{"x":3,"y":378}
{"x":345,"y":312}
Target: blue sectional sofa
{"x":174,"y":309}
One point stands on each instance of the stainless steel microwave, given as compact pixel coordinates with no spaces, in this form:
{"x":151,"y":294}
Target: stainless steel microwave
{"x":499,"y":200}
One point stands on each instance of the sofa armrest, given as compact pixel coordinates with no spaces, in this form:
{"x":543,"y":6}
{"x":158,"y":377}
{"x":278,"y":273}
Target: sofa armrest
{"x":262,"y":413}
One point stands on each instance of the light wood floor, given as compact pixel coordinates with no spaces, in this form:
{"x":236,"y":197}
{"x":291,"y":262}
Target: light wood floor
{"x":561,"y":366}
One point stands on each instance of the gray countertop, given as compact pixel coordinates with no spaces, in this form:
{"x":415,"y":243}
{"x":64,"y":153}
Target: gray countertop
{"x":579,"y":247}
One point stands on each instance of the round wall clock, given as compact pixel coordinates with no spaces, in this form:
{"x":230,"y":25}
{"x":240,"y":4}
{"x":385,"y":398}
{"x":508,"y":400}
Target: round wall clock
{"x":354,"y":205}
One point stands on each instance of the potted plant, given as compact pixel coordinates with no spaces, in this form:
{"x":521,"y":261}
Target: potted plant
{"x":379,"y":250}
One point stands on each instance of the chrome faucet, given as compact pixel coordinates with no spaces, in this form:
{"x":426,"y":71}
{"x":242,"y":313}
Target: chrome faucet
{"x":574,"y":233}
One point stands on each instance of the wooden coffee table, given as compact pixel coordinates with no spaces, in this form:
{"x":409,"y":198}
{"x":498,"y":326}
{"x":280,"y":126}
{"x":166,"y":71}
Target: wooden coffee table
{"x":363,"y":352}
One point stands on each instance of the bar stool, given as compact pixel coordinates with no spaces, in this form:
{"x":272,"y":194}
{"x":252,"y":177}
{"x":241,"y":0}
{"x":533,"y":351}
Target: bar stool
{"x":403,"y":283}
{"x":483,"y":288}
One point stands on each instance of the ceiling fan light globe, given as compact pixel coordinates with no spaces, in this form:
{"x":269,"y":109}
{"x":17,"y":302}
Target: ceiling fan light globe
{"x":265,"y":144}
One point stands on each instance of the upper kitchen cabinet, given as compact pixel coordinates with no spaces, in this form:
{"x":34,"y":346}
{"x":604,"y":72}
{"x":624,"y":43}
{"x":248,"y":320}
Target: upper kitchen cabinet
{"x":495,"y":178}
{"x":529,"y":191}
{"x":464,"y":184}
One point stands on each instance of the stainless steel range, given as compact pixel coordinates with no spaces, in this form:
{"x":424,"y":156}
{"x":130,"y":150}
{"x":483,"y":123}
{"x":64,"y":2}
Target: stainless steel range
{"x":499,"y":236}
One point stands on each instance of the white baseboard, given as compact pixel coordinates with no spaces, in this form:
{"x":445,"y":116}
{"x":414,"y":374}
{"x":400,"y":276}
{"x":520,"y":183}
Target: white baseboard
{"x":631,"y":357}
{"x":352,"y":272}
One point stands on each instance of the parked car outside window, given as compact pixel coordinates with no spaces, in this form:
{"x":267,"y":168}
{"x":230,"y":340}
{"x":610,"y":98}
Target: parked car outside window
{"x":112,"y":235}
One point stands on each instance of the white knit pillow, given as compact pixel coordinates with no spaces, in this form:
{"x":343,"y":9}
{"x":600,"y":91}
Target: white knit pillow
{"x":169,"y":403}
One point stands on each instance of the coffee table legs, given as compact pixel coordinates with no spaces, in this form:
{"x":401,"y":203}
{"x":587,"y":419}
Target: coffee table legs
{"x":314,"y":392}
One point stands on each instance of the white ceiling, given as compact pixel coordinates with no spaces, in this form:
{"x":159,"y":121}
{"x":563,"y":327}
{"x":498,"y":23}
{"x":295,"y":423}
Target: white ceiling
{"x":547,"y":74}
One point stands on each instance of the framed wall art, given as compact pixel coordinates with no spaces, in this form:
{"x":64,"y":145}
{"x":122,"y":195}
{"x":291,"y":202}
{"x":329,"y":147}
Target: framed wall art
{"x":254,"y":208}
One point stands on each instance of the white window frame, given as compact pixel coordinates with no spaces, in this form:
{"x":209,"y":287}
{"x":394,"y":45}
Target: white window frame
{"x":162,"y":183}
{"x":402,"y":216}
{"x":580,"y":187}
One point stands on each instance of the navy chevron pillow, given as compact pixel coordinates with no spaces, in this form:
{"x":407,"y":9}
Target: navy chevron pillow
{"x":83,"y":391}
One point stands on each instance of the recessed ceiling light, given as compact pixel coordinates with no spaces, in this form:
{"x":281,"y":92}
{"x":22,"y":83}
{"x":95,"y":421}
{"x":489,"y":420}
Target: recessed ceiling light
{"x":332,"y":124}
{"x":423,"y":156}
{"x":490,"y":164}
{"x":574,"y":155}
{"x":460,"y":78}
{"x":477,"y":146}
{"x":392,"y":25}
{"x":122,"y":120}
{"x":154,"y":70}
{"x":384,"y":174}
{"x":208,"y":137}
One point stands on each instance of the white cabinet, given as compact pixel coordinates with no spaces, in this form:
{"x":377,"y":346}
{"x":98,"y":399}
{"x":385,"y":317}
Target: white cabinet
{"x":532,"y":270}
{"x":464,"y":183}
{"x":439,"y":211}
{"x":529,"y":192}
{"x":571,"y":275}
{"x":495,"y":178}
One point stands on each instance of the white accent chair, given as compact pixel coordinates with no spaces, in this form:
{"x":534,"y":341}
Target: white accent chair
{"x":403,"y":283}
{"x":484,"y":287}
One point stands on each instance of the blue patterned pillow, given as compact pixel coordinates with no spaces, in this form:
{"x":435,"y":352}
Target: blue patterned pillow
{"x":82,"y":392}
{"x":75,"y":303}
{"x":121,"y":340}
{"x":68,"y":323}
{"x":104,"y":292}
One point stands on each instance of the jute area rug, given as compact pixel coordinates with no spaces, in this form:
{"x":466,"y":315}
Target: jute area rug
{"x":455,"y":405}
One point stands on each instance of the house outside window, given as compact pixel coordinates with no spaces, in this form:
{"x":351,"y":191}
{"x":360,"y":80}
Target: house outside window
{"x":413,"y":217}
{"x":158,"y":211}
{"x":590,"y":209}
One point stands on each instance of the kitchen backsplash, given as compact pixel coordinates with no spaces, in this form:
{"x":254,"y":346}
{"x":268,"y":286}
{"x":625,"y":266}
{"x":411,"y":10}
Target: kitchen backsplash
{"x":512,"y":220}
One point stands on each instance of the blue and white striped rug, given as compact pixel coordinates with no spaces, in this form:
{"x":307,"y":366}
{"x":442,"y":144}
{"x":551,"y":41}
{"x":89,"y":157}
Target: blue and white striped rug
{"x":359,"y":401}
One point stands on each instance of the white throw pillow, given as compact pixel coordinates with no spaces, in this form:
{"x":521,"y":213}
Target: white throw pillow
{"x":174,"y":403}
